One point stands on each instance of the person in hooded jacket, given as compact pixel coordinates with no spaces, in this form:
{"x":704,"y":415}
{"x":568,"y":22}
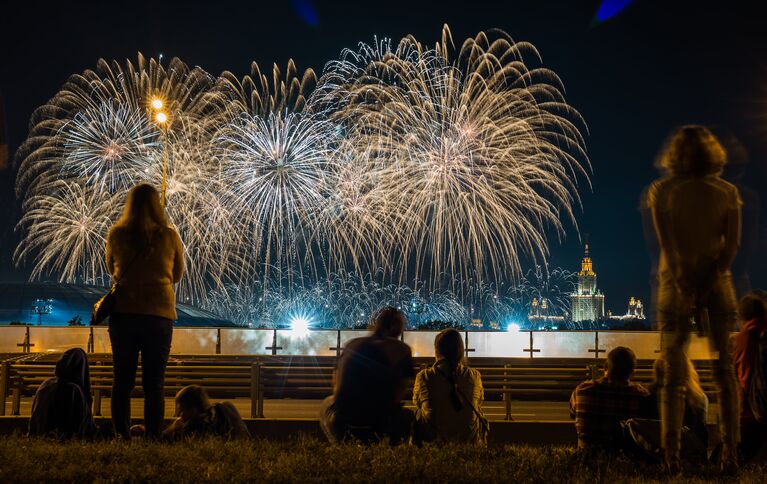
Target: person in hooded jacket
{"x":62,"y":404}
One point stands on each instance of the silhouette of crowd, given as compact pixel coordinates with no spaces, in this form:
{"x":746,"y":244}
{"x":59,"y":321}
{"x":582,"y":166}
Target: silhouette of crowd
{"x":695,"y":219}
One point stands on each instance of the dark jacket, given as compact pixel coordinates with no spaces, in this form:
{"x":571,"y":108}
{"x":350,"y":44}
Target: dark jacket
{"x":62,"y":405}
{"x":221,"y":419}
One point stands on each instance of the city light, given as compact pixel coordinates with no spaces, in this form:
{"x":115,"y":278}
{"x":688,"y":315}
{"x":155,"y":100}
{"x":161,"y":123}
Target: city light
{"x":299,"y":327}
{"x":161,"y":117}
{"x":157,"y":104}
{"x":512,"y":328}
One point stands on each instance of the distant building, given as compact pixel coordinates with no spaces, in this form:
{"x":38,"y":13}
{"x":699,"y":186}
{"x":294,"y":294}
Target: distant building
{"x":635,"y":310}
{"x":587,"y":302}
{"x":542,"y":311}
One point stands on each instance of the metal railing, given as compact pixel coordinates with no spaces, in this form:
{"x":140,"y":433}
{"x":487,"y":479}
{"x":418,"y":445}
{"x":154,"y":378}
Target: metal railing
{"x":231,"y":341}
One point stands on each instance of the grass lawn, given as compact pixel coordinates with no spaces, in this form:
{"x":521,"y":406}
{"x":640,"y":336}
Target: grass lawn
{"x":33,"y":460}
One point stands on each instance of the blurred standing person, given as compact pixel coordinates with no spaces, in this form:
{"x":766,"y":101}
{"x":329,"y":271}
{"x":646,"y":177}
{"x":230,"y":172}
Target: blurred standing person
{"x":146,"y":255}
{"x":734,"y":172}
{"x":696,"y":216}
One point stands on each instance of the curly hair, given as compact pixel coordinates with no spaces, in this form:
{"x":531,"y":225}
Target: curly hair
{"x":388,"y":321}
{"x":692,"y":151}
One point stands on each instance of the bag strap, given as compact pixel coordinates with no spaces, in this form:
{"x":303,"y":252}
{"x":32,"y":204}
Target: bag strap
{"x":132,"y":261}
{"x":476,"y":412}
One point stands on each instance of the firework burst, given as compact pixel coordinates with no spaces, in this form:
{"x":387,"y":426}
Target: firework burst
{"x":481,"y":150}
{"x":404,"y":175}
{"x":66,"y":230}
{"x":276,"y":157}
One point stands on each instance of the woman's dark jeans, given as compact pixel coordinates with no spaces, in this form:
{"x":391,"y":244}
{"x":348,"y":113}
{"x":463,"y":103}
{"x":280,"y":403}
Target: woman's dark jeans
{"x":130,"y":335}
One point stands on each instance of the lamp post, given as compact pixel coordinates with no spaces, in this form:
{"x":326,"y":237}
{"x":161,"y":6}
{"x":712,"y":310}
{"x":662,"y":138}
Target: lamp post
{"x":161,"y":118}
{"x":42,"y":307}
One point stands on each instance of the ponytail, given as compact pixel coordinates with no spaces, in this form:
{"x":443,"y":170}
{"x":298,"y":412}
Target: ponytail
{"x":448,"y":345}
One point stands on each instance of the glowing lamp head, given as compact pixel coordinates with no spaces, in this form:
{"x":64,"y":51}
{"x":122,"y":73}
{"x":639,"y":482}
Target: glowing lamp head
{"x":161,"y":117}
{"x":157,"y":103}
{"x":299,"y":327}
{"x":512,"y":328}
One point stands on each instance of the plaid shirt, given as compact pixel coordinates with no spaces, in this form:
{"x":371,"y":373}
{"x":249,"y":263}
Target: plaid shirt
{"x":598,"y":406}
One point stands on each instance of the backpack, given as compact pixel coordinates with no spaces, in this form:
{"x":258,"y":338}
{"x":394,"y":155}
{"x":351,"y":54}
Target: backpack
{"x":642,"y":440}
{"x":757,"y":382}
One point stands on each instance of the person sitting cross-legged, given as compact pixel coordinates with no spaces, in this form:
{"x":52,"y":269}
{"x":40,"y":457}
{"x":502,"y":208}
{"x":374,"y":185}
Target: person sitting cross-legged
{"x":448,"y":396}
{"x":371,"y":380}
{"x":599,"y":406}
{"x":197,"y":417}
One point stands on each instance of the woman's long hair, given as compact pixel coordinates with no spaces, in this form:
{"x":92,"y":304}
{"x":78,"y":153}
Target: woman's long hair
{"x":448,"y":345}
{"x":694,"y":394}
{"x":142,"y":216}
{"x":692,"y":151}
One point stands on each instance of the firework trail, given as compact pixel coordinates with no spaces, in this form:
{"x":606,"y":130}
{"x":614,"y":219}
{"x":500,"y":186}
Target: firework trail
{"x":482,"y":151}
{"x":66,"y":230}
{"x":276,"y":157}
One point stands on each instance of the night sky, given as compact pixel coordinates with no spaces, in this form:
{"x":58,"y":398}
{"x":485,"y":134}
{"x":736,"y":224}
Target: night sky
{"x":634,"y":77}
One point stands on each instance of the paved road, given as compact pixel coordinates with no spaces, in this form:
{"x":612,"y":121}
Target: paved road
{"x":288,"y":408}
{"x":292,"y":408}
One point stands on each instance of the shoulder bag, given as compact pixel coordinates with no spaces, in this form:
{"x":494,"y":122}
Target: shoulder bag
{"x":104,"y":307}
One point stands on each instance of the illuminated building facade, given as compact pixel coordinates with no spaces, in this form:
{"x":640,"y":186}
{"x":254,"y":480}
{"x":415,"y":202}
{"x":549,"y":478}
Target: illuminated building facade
{"x":636,"y":309}
{"x":542,"y":311}
{"x":587,"y":303}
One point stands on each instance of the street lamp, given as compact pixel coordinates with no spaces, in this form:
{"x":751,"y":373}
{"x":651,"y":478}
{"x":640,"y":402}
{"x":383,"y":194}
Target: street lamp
{"x":161,"y":118}
{"x":42,"y":307}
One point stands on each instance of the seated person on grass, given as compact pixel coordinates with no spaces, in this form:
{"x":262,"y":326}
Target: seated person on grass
{"x":62,"y":404}
{"x":695,"y":438}
{"x":197,"y":417}
{"x":748,"y":349}
{"x":599,"y":406}
{"x":448,"y":396}
{"x":372,"y":378}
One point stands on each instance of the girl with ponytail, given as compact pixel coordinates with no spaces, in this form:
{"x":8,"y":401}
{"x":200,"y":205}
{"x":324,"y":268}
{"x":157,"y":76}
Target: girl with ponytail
{"x":448,"y":396}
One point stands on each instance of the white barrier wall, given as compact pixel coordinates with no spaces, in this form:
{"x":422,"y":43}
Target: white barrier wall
{"x":209,"y":341}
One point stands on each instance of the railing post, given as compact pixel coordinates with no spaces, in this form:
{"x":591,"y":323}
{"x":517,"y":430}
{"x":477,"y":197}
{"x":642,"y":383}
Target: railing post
{"x":97,"y":403}
{"x":256,"y":393}
{"x":337,"y":347}
{"x":5,"y":380}
{"x":596,"y":349}
{"x":274,"y":346}
{"x":531,"y":349}
{"x":25,"y":345}
{"x":16,"y":403}
{"x":90,"y":346}
{"x":467,"y":350}
{"x":218,"y":341}
{"x":506,"y":392}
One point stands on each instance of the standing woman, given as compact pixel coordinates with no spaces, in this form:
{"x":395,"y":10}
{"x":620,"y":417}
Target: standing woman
{"x":145,"y":254}
{"x":696,"y":216}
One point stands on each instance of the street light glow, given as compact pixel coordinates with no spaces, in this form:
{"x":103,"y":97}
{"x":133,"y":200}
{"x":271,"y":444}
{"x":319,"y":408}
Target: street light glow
{"x":157,"y":103}
{"x":299,"y":327}
{"x":161,"y":117}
